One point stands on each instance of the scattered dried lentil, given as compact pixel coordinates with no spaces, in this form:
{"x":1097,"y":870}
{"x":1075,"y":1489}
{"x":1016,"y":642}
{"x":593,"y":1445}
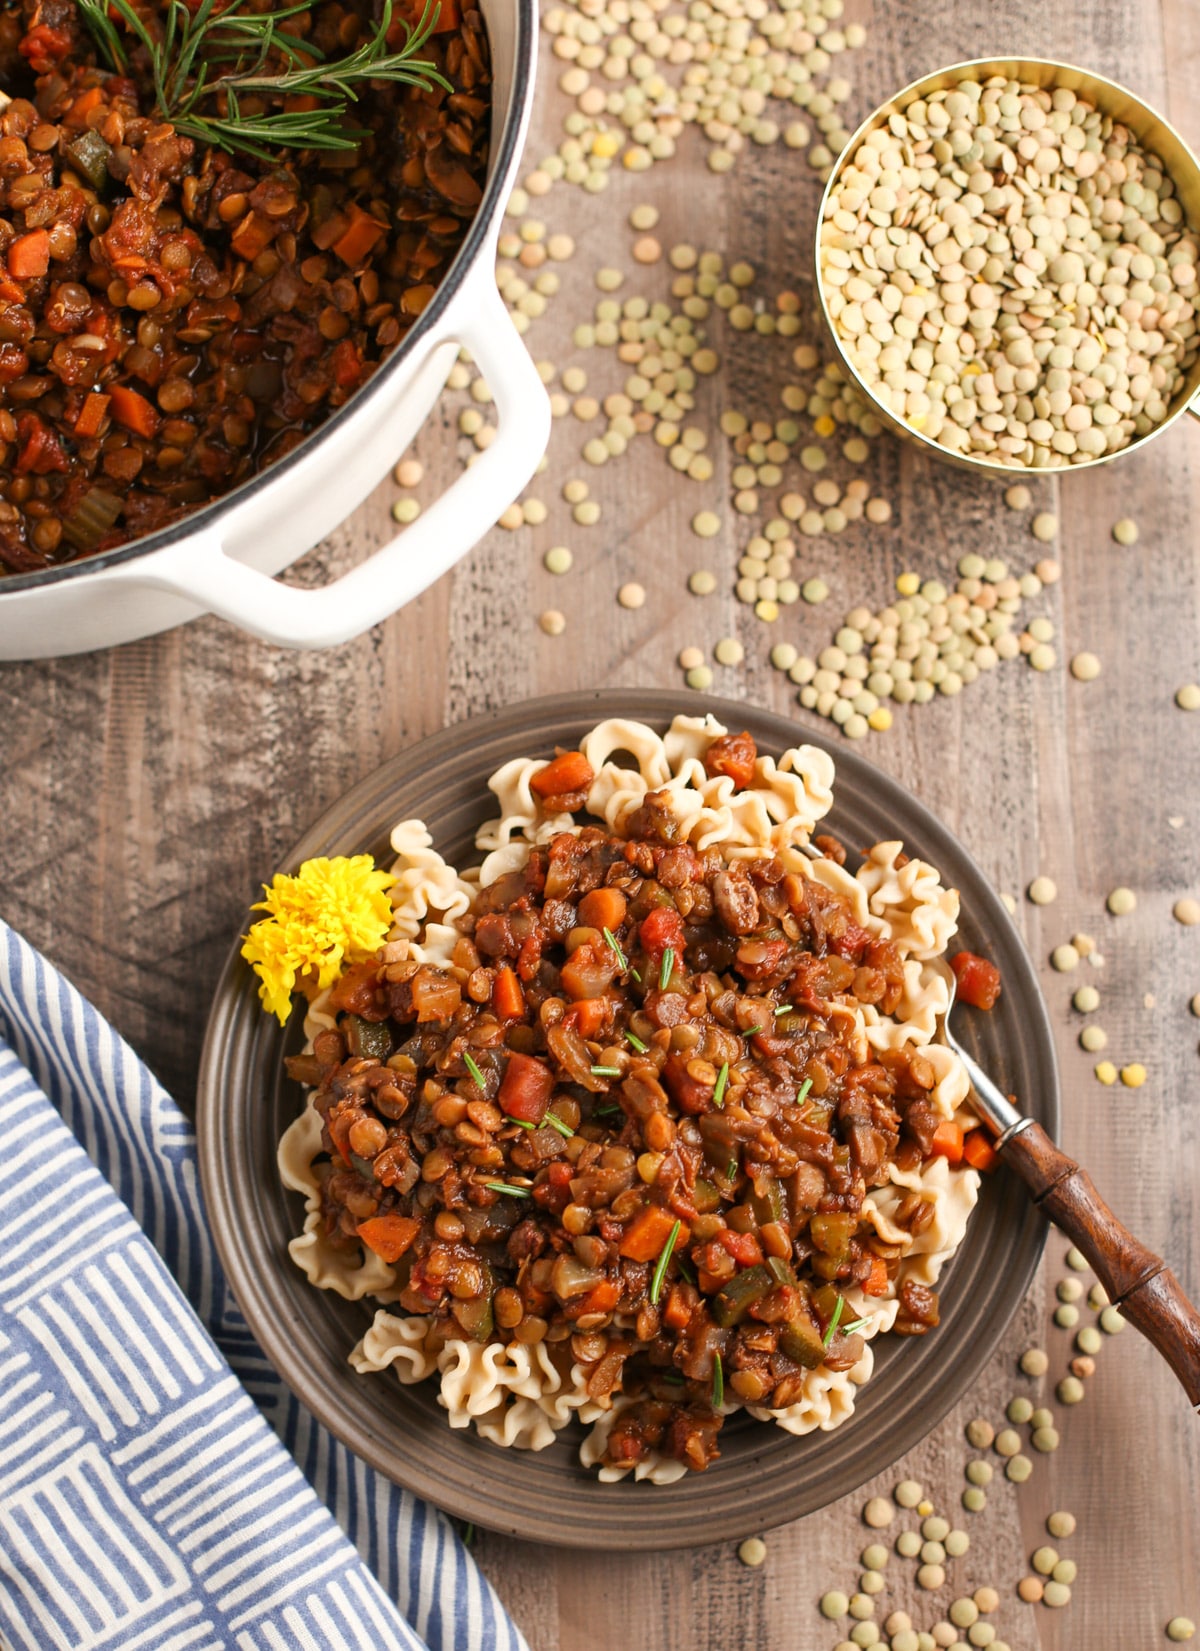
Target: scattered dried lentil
{"x":1061,"y":1524}
{"x":631,"y":596}
{"x":1093,"y":1039}
{"x":1186,"y":911}
{"x":1085,"y":667}
{"x":878,"y":1513}
{"x":753,"y":1551}
{"x":1086,"y":998}
{"x":1121,"y":902}
{"x":552,"y":622}
{"x":1133,"y":1076}
{"x":1125,"y":531}
{"x":1042,"y":891}
{"x":1064,"y":958}
{"x":1188,"y":697}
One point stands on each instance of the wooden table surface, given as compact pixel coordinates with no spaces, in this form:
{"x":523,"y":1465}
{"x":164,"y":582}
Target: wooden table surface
{"x":149,"y":789}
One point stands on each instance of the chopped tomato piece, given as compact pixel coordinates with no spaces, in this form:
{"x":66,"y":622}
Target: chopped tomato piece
{"x":876,"y":1281}
{"x":661,"y":928}
{"x":571,"y":771}
{"x":978,"y":980}
{"x":979,"y":1152}
{"x":743,"y":1247}
{"x":388,"y":1235}
{"x":356,"y":991}
{"x":948,"y":1142}
{"x":588,"y":971}
{"x":40,"y":449}
{"x":132,"y":411}
{"x":508,"y":1000}
{"x":646,"y":1234}
{"x":733,"y":755}
{"x":525,"y":1088}
{"x":29,"y":255}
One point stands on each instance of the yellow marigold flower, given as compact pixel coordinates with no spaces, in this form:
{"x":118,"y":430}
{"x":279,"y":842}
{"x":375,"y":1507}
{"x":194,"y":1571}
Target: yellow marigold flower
{"x":332,"y":912}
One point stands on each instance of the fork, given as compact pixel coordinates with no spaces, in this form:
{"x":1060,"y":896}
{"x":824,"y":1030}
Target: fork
{"x":1136,"y":1280}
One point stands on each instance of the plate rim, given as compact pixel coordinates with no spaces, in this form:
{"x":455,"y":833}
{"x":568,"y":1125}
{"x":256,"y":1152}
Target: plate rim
{"x":654,"y":705}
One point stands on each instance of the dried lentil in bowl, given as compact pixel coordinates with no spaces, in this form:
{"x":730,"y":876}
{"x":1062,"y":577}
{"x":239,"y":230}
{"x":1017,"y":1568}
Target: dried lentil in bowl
{"x":1011,"y":274}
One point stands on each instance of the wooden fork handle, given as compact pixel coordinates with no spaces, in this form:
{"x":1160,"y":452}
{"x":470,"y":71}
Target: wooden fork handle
{"x":1137,"y":1281}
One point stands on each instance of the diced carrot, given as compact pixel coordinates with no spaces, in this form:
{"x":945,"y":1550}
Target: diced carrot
{"x":661,"y":928}
{"x":448,"y":17}
{"x":253,"y":235}
{"x":83,"y":105}
{"x":877,"y":1279}
{"x":357,"y":240}
{"x":347,"y":364}
{"x":92,"y":414}
{"x":646,"y":1234}
{"x":29,"y":255}
{"x":589,"y":1016}
{"x":979,"y":1151}
{"x":41,"y":451}
{"x":948,"y":1142}
{"x":569,"y":772}
{"x":678,"y":1310}
{"x":339,"y":1131}
{"x":525,"y":1088}
{"x":132,"y":411}
{"x":508,"y":1000}
{"x":388,"y":1235}
{"x":709,"y":1282}
{"x":601,"y":1298}
{"x":603,"y":908}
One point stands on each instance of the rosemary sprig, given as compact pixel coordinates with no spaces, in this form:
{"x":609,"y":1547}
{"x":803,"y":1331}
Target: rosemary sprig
{"x":833,"y":1323}
{"x":718,"y":1388}
{"x":205,"y":55}
{"x":614,"y":946}
{"x":803,"y":1091}
{"x":719,"y":1088}
{"x":666,"y":969}
{"x":504,"y":1186}
{"x":551,"y":1120}
{"x":859,"y":1324}
{"x":476,"y":1075}
{"x":606,"y":1071}
{"x":635,"y":1042}
{"x":660,"y":1267}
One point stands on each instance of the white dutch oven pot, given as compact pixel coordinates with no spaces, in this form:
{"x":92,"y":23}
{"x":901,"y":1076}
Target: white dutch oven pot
{"x":221,"y":558}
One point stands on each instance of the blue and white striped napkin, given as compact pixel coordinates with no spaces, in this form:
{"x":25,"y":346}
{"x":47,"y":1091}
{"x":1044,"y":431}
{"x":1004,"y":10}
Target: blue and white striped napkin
{"x":160,"y":1488}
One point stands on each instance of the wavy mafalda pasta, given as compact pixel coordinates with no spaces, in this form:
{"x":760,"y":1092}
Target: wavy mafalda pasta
{"x":521,"y":1396}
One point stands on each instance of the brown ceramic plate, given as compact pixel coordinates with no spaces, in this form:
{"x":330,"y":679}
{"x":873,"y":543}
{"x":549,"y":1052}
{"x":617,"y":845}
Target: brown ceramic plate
{"x":764,"y":1476}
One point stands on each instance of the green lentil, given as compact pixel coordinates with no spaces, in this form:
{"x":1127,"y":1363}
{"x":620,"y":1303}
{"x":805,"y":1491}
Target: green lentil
{"x":980,"y":1472}
{"x":1044,"y":1560}
{"x":862,"y":1607}
{"x":908,"y":1544}
{"x":700,"y":678}
{"x":1034,"y":1361}
{"x":834,"y":1604}
{"x":1089,"y":1340}
{"x":1066,"y":1316}
{"x":1065,"y":1571}
{"x":1125,"y":531}
{"x":1085,"y":667}
{"x":1111,"y":1321}
{"x":753,"y":1551}
{"x":1056,"y":1595}
{"x":957,"y":1543}
{"x":974,"y":1499}
{"x":1044,"y":1439}
{"x":1061,"y":1524}
{"x":878,"y":1513}
{"x":1019,"y":1411}
{"x":1093,"y":1039}
{"x":980,"y":1433}
{"x":1188,"y":697}
{"x":931,"y":1577}
{"x":1044,"y":526}
{"x":1019,"y":1469}
{"x":702,"y":583}
{"x":558,"y":559}
{"x":963,"y":1612}
{"x":1180,"y":1629}
{"x":1008,"y":1443}
{"x":706,"y":524}
{"x":908,"y":1493}
{"x":1076,"y":1260}
{"x":1121,"y":902}
{"x":1042,"y":891}
{"x":1087,"y":1001}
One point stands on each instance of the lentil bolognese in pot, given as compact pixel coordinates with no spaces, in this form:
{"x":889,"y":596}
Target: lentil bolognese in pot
{"x":217,"y":218}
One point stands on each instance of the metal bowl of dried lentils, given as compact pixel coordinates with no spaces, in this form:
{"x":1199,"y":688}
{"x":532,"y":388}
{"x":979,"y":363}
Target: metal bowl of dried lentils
{"x":1007,"y":258}
{"x":240,"y":248}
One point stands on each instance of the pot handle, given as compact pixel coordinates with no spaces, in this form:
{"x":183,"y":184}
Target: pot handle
{"x":398,"y":571}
